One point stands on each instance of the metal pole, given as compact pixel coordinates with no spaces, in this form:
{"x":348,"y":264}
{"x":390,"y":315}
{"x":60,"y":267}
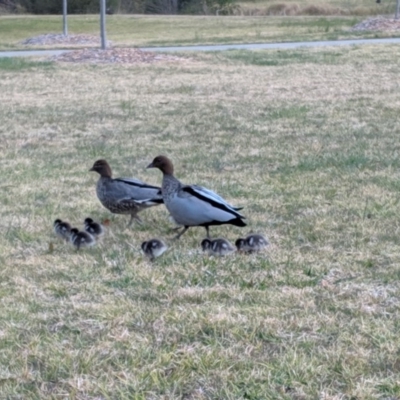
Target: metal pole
{"x":397,"y":9}
{"x":103,"y":23}
{"x":65,"y":25}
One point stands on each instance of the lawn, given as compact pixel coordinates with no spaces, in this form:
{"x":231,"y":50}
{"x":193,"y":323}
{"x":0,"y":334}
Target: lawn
{"x":146,"y":30}
{"x":306,"y":141}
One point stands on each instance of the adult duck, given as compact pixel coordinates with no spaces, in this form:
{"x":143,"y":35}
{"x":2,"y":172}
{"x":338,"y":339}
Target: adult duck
{"x":124,"y":195}
{"x":192,"y":205}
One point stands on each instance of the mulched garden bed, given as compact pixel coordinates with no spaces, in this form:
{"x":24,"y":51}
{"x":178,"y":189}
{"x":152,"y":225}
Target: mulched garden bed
{"x":115,"y":56}
{"x":378,"y":24}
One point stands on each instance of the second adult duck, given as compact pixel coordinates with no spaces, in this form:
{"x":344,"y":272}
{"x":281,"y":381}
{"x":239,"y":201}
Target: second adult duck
{"x":192,"y":205}
{"x":124,"y":195}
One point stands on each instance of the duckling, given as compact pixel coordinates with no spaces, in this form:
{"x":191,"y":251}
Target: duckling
{"x":81,"y":239}
{"x":153,"y":248}
{"x":251,"y":243}
{"x":217,"y":247}
{"x":62,"y":229}
{"x":94,"y":228}
{"x":193,"y":205}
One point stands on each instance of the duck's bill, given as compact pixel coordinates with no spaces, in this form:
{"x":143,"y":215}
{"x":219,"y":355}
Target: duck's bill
{"x":150,"y":165}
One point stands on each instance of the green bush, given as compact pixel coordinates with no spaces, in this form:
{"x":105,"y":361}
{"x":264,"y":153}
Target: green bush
{"x":221,"y":7}
{"x":55,"y":7}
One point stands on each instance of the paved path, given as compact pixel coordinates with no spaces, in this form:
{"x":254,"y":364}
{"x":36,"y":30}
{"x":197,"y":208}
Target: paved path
{"x":259,"y":46}
{"x":27,"y":53}
{"x":254,"y":46}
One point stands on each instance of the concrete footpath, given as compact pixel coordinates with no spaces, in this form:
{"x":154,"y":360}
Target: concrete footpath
{"x":222,"y":47}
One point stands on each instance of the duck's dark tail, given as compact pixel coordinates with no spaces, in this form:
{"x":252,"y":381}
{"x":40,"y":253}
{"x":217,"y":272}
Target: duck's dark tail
{"x":237,"y":222}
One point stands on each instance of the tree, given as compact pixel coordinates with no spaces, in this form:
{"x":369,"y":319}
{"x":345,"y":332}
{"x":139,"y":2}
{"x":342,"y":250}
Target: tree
{"x":103,"y":24}
{"x":65,"y":25}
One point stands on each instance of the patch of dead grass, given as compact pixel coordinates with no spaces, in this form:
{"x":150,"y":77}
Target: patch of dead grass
{"x":313,"y":8}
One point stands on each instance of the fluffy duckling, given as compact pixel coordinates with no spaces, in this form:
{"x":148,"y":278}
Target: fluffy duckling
{"x":251,"y":243}
{"x":192,"y":205}
{"x":81,"y":239}
{"x":124,"y":195}
{"x":62,"y":229}
{"x":217,"y":247}
{"x":94,"y":228}
{"x":153,"y":248}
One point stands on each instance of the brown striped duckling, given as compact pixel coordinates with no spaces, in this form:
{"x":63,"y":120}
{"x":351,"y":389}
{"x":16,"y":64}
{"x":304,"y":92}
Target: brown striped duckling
{"x":94,"y":228}
{"x":217,"y":247}
{"x":251,"y":243}
{"x":81,"y":239}
{"x":124,"y":195}
{"x":62,"y":229}
{"x":153,"y":248}
{"x":192,"y":205}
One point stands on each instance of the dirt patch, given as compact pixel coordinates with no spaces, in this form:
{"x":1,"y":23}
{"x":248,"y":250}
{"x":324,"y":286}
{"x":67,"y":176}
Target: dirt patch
{"x":115,"y":56}
{"x":93,"y":53}
{"x":65,"y":41}
{"x":378,"y":24}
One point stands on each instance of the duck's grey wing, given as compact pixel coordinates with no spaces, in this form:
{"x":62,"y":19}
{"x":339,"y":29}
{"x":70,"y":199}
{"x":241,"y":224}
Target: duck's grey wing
{"x":211,"y":194}
{"x":130,"y":189}
{"x":208,"y":196}
{"x":189,"y":207}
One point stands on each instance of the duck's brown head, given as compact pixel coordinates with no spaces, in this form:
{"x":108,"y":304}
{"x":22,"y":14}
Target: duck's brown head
{"x":164,"y":164}
{"x":102,"y":167}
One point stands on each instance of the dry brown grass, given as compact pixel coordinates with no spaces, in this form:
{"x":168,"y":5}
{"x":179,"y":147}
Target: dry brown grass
{"x":305,"y":140}
{"x":291,"y":10}
{"x":318,"y":7}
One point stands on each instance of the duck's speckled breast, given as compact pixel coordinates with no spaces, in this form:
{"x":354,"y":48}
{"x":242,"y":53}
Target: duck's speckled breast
{"x":169,"y":189}
{"x":100,"y":189}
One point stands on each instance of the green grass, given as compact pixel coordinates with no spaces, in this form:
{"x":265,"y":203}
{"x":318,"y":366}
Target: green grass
{"x":306,"y":141}
{"x":21,"y":64}
{"x":282,"y":58}
{"x":129,"y":30}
